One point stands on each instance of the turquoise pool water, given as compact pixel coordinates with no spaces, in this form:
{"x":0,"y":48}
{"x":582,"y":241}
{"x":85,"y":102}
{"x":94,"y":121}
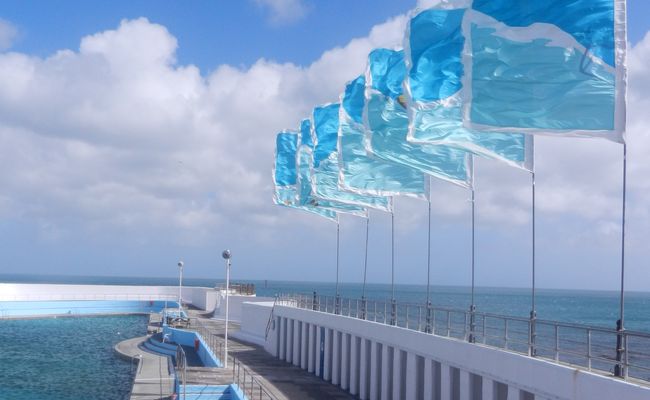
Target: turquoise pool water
{"x":66,"y":358}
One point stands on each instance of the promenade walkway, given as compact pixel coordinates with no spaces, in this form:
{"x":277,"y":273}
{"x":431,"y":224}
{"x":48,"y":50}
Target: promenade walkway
{"x":282,"y":380}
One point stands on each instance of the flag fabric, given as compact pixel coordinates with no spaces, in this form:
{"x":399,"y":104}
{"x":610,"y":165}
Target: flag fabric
{"x":434,"y":43}
{"x":306,"y":194}
{"x":325,"y":162}
{"x":386,"y":122}
{"x":554,"y":67}
{"x":363,"y":174}
{"x":285,"y":177}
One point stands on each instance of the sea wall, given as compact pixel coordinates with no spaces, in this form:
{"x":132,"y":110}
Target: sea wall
{"x":27,"y":309}
{"x":55,"y":299}
{"x":377,"y":361}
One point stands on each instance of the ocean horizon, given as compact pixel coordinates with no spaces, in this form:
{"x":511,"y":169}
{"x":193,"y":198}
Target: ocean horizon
{"x":577,"y":306}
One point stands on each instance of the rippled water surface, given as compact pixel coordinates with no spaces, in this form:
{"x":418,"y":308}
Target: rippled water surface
{"x":66,"y":358}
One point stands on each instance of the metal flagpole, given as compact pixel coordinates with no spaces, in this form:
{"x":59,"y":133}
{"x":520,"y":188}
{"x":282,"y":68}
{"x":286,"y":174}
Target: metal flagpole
{"x":428,"y":322}
{"x":620,"y":369}
{"x":337,"y":307}
{"x":393,"y":305}
{"x":472,"y":307}
{"x":365,"y":272}
{"x":533,"y":311}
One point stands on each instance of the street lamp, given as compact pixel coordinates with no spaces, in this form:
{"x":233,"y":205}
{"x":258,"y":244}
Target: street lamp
{"x":180,"y":287}
{"x":226,"y":256}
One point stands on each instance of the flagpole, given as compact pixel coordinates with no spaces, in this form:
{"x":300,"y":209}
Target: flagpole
{"x":338,"y":245}
{"x":620,"y":369}
{"x":428,"y":324}
{"x":365,"y":272}
{"x":393,"y":306}
{"x":472,"y":307}
{"x":533,"y":311}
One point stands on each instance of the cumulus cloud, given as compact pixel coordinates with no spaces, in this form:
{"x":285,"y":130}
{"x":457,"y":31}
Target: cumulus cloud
{"x":117,"y":134}
{"x":284,"y":11}
{"x":8,"y":34}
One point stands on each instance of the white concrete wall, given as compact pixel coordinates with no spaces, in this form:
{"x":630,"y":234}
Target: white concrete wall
{"x":386,"y":362}
{"x":255,"y":317}
{"x":235,"y":302}
{"x":200,"y":297}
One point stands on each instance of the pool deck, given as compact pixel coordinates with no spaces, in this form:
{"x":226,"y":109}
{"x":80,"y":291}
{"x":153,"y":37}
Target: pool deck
{"x":281,"y":379}
{"x":152,"y":379}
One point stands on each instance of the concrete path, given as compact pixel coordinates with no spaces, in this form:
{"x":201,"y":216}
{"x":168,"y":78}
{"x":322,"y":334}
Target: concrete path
{"x":153,"y":379}
{"x":281,"y":379}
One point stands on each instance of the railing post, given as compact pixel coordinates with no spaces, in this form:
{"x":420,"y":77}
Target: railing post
{"x":364,"y":305}
{"x":532,"y":334}
{"x":337,"y":304}
{"x":427,"y":325}
{"x":393,"y":312}
{"x":314,"y":302}
{"x":472,"y":323}
{"x":407,"y":317}
{"x":619,"y":368}
{"x":557,"y":343}
{"x":589,"y":349}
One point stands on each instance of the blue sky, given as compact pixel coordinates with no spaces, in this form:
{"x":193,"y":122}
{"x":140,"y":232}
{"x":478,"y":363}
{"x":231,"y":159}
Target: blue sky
{"x":210,"y":32}
{"x":218,"y":32}
{"x":133,"y":144}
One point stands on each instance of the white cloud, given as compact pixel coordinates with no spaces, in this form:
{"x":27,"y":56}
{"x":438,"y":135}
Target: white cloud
{"x":8,"y":33}
{"x":118,"y":135}
{"x":284,"y":11}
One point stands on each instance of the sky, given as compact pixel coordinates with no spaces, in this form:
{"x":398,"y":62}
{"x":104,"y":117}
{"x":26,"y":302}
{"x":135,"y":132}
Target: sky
{"x":137,"y":133}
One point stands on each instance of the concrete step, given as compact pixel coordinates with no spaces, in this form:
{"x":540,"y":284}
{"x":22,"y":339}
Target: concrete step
{"x":209,"y":392}
{"x":157,"y":347}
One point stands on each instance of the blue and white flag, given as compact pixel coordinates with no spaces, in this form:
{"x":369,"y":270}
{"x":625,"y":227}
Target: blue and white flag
{"x":285,"y":177}
{"x":386,"y":123}
{"x":306,"y":195}
{"x":433,"y":46}
{"x":555,"y":67}
{"x":364,"y":174}
{"x":325,"y":174}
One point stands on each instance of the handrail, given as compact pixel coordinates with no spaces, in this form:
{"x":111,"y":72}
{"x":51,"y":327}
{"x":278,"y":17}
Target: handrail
{"x":181,"y":368}
{"x":252,"y":388}
{"x":242,"y":376}
{"x":590,"y":347}
{"x":270,"y":321}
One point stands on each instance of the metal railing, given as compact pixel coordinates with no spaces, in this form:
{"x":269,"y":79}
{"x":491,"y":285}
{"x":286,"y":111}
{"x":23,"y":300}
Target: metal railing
{"x":247,"y":289}
{"x":211,"y":339}
{"x":242,"y":376}
{"x":248,"y":383}
{"x":181,"y":370}
{"x":269,"y":323}
{"x":589,"y":347}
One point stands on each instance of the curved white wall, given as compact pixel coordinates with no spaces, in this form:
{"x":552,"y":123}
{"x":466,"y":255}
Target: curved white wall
{"x":200,"y":297}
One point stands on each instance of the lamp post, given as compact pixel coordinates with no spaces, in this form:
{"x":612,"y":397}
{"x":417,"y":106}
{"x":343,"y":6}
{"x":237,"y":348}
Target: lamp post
{"x":180,"y":287}
{"x":226,"y":256}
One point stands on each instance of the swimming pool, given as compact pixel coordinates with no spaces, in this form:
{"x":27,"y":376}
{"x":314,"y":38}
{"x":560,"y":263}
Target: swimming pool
{"x":66,"y":358}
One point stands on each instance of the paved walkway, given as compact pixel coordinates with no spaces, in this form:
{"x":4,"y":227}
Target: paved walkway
{"x":279,"y":378}
{"x":153,"y":379}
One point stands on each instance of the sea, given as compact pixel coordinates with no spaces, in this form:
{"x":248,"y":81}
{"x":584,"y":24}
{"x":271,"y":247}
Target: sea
{"x":72,"y":358}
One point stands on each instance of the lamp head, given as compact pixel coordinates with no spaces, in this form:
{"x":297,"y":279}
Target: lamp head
{"x":226,"y":255}
{"x":180,"y":264}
